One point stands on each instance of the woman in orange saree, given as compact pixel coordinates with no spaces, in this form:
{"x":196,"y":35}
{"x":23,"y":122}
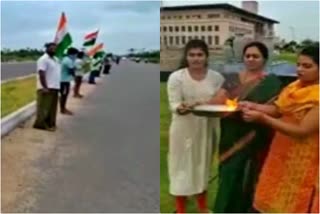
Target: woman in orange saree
{"x":288,"y":182}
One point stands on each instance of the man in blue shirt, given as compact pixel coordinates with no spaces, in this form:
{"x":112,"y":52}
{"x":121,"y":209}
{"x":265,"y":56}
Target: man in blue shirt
{"x":67,"y":75}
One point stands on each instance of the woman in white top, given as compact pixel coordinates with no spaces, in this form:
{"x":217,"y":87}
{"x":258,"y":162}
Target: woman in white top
{"x":190,"y":138}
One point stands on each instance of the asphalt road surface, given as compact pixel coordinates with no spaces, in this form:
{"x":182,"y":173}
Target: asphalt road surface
{"x":116,"y":163}
{"x":14,"y":70}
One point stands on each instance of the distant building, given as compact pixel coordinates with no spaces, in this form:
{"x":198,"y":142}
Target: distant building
{"x":213,"y":23}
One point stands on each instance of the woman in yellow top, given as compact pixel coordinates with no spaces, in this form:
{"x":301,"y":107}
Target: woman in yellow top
{"x":288,"y":182}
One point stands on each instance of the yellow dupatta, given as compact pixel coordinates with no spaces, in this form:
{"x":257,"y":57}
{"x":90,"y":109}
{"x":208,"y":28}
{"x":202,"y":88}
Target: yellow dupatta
{"x":296,"y":97}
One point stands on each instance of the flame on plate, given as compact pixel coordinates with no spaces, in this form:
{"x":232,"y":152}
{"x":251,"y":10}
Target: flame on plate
{"x":232,"y":103}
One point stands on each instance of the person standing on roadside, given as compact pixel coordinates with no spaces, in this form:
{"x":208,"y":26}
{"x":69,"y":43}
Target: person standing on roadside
{"x":48,"y":85}
{"x":67,"y":75}
{"x":79,"y":64}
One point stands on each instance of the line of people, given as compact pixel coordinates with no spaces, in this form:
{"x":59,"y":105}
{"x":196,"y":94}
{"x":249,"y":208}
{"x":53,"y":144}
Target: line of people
{"x":54,"y":78}
{"x":265,"y":157}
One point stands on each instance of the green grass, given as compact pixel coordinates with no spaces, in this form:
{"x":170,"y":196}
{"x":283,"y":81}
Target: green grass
{"x":19,"y":59}
{"x":167,"y":201}
{"x":16,"y":94}
{"x":289,"y":57}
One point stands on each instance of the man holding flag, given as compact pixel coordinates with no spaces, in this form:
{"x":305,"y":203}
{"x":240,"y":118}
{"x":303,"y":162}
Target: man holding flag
{"x":80,"y":71}
{"x":89,"y":41}
{"x":95,"y":63}
{"x":67,"y":75}
{"x":95,"y":66}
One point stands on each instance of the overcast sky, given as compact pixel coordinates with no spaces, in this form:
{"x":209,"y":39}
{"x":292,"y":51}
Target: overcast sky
{"x":123,"y":24}
{"x":303,"y":16}
{"x":130,"y":24}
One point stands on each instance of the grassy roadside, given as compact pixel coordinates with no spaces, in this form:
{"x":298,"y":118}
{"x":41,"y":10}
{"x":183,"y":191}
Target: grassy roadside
{"x":16,"y":94}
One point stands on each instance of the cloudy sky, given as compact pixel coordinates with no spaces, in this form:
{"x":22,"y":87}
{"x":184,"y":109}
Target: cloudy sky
{"x":130,"y":24}
{"x":123,"y":24}
{"x":303,"y":16}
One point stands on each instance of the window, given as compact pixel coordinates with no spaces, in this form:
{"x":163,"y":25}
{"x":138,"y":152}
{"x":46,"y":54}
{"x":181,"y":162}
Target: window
{"x":189,"y":28}
{"x":165,"y":40}
{"x":196,"y":28}
{"x":170,"y":28}
{"x":209,"y":28}
{"x":216,"y":28}
{"x":163,"y":17}
{"x":210,"y":40}
{"x":196,"y":37}
{"x":171,"y":40}
{"x":187,"y":17}
{"x":165,"y":28}
{"x":203,"y":28}
{"x":190,"y":38}
{"x":169,"y":17}
{"x":203,"y":38}
{"x":196,"y":16}
{"x":183,"y":28}
{"x":212,"y":16}
{"x":180,"y":17}
{"x":216,"y":40}
{"x":177,"y":29}
{"x":183,"y":38}
{"x":177,"y":40}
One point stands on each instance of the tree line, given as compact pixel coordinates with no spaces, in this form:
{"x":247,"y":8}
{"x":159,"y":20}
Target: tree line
{"x":24,"y":54}
{"x":293,"y":46}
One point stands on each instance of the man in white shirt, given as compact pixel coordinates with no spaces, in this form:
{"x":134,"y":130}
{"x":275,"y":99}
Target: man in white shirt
{"x":80,"y":70}
{"x":48,"y":85}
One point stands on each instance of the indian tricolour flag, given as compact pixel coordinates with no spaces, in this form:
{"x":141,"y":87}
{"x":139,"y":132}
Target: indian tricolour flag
{"x":95,"y":49}
{"x":63,"y":38}
{"x":90,"y":38}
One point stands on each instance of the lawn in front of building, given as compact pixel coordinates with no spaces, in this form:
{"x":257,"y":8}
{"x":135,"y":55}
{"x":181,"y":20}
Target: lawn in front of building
{"x":166,"y":200}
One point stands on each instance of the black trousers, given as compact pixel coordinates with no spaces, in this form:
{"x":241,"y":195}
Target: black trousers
{"x":106,"y":69}
{"x":93,"y":75}
{"x":78,"y":82}
{"x":64,"y":92}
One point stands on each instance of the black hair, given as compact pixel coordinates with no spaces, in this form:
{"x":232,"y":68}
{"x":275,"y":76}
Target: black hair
{"x":194,"y":43}
{"x":311,"y":51}
{"x":49,"y":44}
{"x":72,"y":51}
{"x":261,"y":47}
{"x":80,"y":54}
